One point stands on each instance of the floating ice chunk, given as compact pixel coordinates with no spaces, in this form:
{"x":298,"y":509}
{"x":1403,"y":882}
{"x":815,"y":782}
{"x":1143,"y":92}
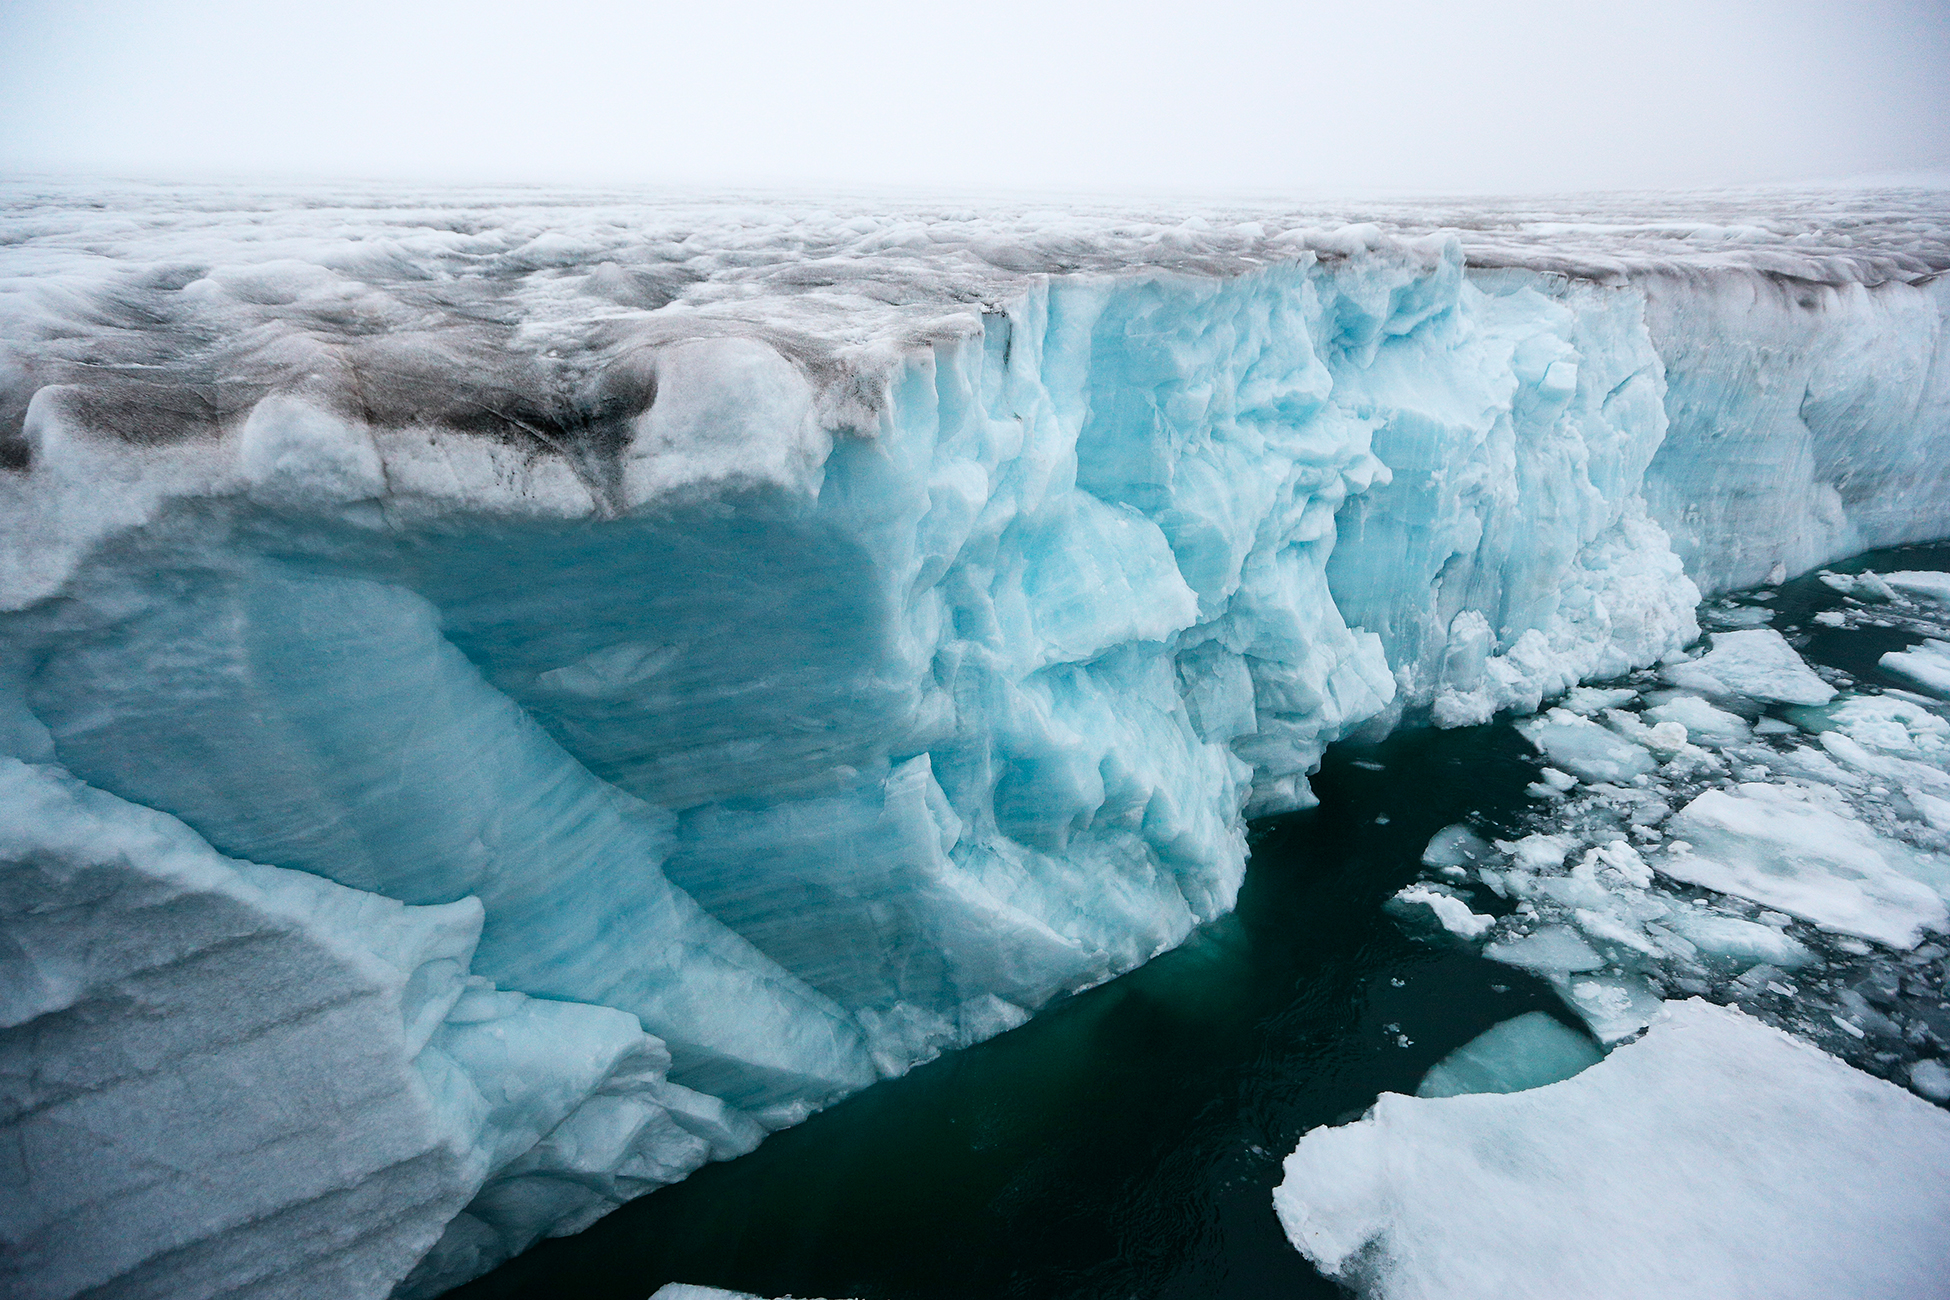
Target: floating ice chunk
{"x":1613,"y":1007}
{"x":1666,"y":739}
{"x":1539,"y":852}
{"x":1927,"y":665}
{"x":1583,"y":747}
{"x":1881,"y":722}
{"x":1587,"y":700}
{"x":1528,"y":1051}
{"x":1787,"y":848}
{"x":1552,"y":782}
{"x":1925,"y":583}
{"x":1931,"y":1079}
{"x":1701,"y":720}
{"x":1714,"y":1157}
{"x":1552,"y":949}
{"x":1457,"y":846}
{"x":1728,"y":938}
{"x":1935,"y":811}
{"x":1451,"y":912}
{"x":1758,"y":664}
{"x":1862,"y":586}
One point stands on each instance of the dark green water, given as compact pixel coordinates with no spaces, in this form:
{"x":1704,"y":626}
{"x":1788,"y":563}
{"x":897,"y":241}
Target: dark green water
{"x":1126,"y":1141}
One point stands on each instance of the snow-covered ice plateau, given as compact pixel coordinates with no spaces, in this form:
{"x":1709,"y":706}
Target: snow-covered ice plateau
{"x":1715,"y":1156}
{"x":514,"y":697}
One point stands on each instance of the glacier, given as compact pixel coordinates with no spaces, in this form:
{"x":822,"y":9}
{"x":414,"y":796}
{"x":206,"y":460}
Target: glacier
{"x":574,"y":686}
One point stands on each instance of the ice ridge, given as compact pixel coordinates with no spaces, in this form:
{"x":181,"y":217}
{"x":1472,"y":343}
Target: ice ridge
{"x":805,"y":642}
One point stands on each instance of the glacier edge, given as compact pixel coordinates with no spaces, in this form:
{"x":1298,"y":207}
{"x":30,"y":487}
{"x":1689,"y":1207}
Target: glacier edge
{"x":814,"y":750}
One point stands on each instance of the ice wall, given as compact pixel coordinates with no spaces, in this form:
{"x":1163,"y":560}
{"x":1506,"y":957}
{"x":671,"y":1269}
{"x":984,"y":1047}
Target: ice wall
{"x":230,"y":1079}
{"x":816,"y":702}
{"x":1807,"y":420}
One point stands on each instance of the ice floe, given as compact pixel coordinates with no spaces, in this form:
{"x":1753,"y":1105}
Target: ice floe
{"x":1716,"y":1156}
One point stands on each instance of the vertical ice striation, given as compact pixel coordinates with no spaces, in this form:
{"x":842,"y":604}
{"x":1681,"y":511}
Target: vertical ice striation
{"x":1512,"y":555}
{"x":1818,"y":413}
{"x":774,"y":651}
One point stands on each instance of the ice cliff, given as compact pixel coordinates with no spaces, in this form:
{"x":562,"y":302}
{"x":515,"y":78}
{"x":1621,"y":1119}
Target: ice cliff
{"x":512,"y":701}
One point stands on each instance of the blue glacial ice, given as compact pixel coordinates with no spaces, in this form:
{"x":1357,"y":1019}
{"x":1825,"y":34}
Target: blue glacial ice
{"x":768,"y":648}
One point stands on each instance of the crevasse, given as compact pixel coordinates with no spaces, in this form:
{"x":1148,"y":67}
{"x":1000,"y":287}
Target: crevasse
{"x":754,"y":754}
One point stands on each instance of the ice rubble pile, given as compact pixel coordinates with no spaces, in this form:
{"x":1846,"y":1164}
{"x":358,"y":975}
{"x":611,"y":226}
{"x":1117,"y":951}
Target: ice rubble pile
{"x":1715,"y":1156}
{"x":812,"y":640}
{"x":1732,"y":825}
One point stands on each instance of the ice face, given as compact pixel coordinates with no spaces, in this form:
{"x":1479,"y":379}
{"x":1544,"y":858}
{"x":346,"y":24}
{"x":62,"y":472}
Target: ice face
{"x":1715,"y":1156}
{"x":170,"y":1015}
{"x":818,"y":639}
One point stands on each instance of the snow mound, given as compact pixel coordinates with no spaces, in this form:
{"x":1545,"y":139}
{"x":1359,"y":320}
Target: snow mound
{"x":1714,"y":1157}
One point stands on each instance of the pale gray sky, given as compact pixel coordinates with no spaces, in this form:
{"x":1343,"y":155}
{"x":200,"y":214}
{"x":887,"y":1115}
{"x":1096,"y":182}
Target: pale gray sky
{"x":1229,"y":96}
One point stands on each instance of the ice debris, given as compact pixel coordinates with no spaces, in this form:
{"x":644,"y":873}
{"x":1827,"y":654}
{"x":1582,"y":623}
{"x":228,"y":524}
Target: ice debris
{"x":1793,"y":858}
{"x":1715,"y":1156}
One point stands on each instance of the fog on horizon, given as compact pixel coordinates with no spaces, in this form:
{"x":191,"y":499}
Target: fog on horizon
{"x":1232,"y":96}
